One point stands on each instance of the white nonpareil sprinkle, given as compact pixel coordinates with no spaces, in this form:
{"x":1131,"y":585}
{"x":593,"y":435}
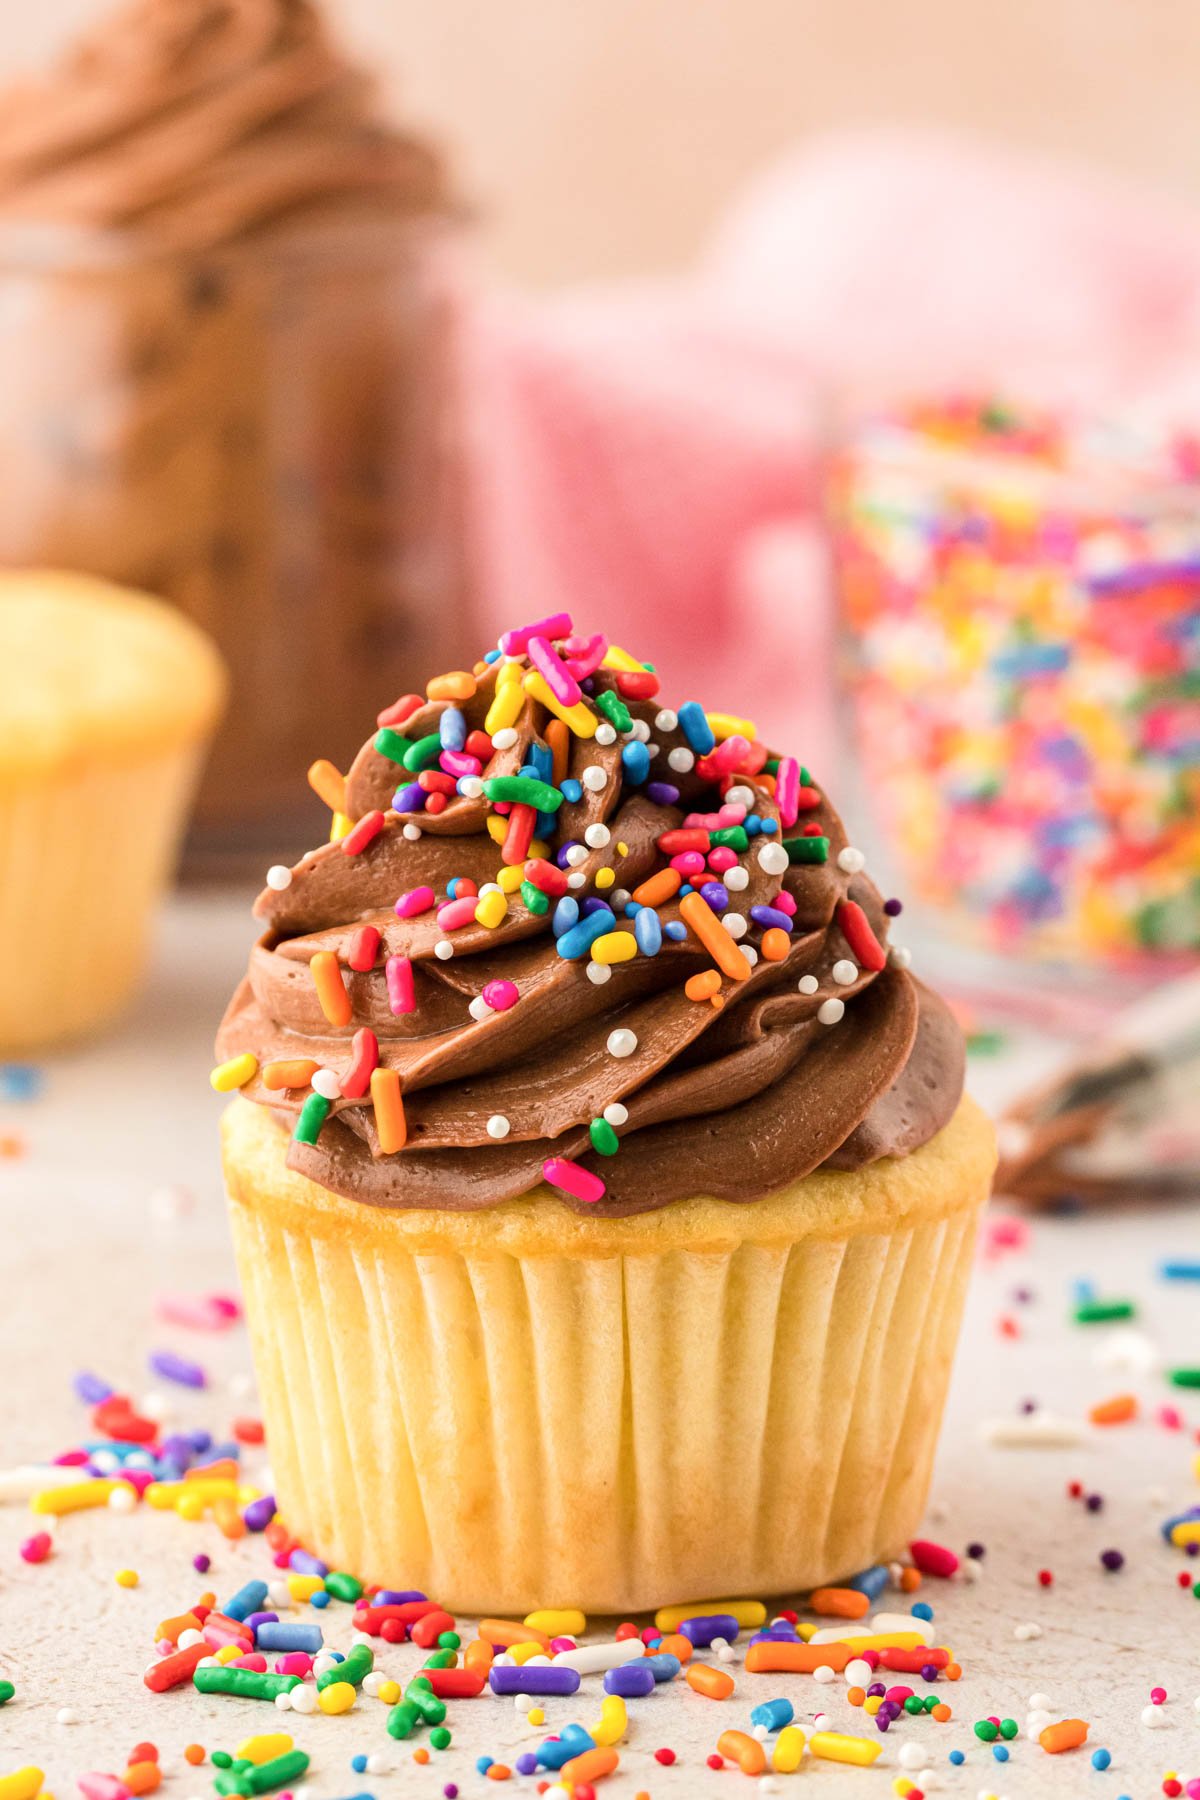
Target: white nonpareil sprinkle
{"x":808,"y":984}
{"x":522,"y":1702}
{"x":773,"y":858}
{"x":443,"y":949}
{"x":326,"y":1083}
{"x":681,"y":760}
{"x":741,"y":796}
{"x":490,"y":887}
{"x":193,"y":1637}
{"x":830,"y":1011}
{"x":852,"y":861}
{"x":66,"y":1715}
{"x":762,"y":1733}
{"x":597,"y":836}
{"x":653,"y":749}
{"x":911,"y":1756}
{"x":498,"y":1126}
{"x":577,"y":879}
{"x":372,"y":1681}
{"x":303,"y":1699}
{"x":1026,"y":1632}
{"x":1154,"y":1716}
{"x":504,"y":739}
{"x":479,"y":1009}
{"x":411,"y":833}
{"x":283,"y":1702}
{"x":575,"y":855}
{"x":599,"y":973}
{"x":736,"y":879}
{"x":750,"y":954}
{"x":824,"y":1674}
{"x":844,"y":972}
{"x":377,"y":1765}
{"x":666,"y":720}
{"x":619,"y":899}
{"x":606,"y":733}
{"x":1043,"y":1703}
{"x":279,"y":877}
{"x":734,"y":924}
{"x":621,"y":1042}
{"x":122,"y":1500}
{"x":858,"y":1672}
{"x":616,"y":1113}
{"x":900,"y":956}
{"x":471,"y":787}
{"x":593,"y":778}
{"x":639,"y":730}
{"x":1032,"y":1431}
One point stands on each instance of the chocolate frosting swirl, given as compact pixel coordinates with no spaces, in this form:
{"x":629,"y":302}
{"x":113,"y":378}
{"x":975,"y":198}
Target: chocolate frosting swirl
{"x":732,"y":1095}
{"x":195,"y":122}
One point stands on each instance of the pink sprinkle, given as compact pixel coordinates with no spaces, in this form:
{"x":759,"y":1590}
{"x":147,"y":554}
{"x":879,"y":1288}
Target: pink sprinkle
{"x":732,"y":813}
{"x":398,"y":973}
{"x":417,"y":900}
{"x":563,"y":1643}
{"x":500,"y":995}
{"x":573,"y":1178}
{"x":688,"y":862}
{"x":457,"y":913}
{"x":584,"y":655}
{"x":787,"y":789}
{"x":37,"y":1548}
{"x":458,"y":763}
{"x":1171,"y":1418}
{"x":515,"y":643}
{"x":198,"y":1312}
{"x":71,"y":1459}
{"x":559,"y":680}
{"x":139,"y":1479}
{"x":229,"y":1304}
{"x":296,"y":1662}
{"x":785,"y":902}
{"x":1158,"y":1695}
{"x":726,"y":759}
{"x":721,"y":858}
{"x":102,"y":1787}
{"x":933,"y":1559}
{"x":255,"y":1660}
{"x":165,"y":1647}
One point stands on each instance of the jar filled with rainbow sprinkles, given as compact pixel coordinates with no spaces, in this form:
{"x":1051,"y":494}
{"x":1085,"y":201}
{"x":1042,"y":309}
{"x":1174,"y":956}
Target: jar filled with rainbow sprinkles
{"x":1021,"y":608}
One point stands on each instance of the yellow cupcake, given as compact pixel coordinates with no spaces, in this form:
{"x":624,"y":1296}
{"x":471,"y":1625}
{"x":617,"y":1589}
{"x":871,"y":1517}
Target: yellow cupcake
{"x":107,"y":701}
{"x":525,"y":1406}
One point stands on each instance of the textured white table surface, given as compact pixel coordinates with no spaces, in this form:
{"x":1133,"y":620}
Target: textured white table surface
{"x":84,"y":1251}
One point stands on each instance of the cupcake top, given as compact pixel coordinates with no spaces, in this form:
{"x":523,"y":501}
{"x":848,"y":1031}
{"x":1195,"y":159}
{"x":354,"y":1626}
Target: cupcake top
{"x":194,"y":122}
{"x":565,"y":932}
{"x":91,"y":671}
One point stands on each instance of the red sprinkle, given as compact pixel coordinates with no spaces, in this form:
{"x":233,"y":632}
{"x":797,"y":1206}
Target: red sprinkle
{"x":665,"y":1757}
{"x":933,"y":1559}
{"x":399,"y":710}
{"x":1045,"y":1578}
{"x":637,"y":684}
{"x":547,"y":876}
{"x":519,"y":835}
{"x":363,"y":949}
{"x":479,"y":745}
{"x":364,"y":1060}
{"x":855,"y":927}
{"x":362,"y":834}
{"x":248,"y":1431}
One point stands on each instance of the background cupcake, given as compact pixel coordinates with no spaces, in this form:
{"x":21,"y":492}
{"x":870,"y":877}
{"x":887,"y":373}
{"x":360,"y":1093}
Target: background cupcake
{"x":107,"y":702}
{"x":619,"y":1248}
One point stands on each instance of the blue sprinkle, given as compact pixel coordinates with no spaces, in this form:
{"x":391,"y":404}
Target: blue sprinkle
{"x":358,"y":1764}
{"x":20,"y":1081}
{"x":452,"y":728}
{"x":752,"y":824}
{"x":248,"y":1599}
{"x":767,"y":825}
{"x":336,"y":1655}
{"x":635,"y":762}
{"x":483,"y":1764}
{"x":870,"y":1582}
{"x":774,"y":1714}
{"x":571,"y":790}
{"x":632,"y":909}
{"x":566,"y":914}
{"x":281,"y":1636}
{"x":1168,"y":1271}
{"x":922,"y":1610}
{"x":1101,"y":1759}
{"x":1083,"y":1291}
{"x":492,"y":656}
{"x":957,"y":1758}
{"x":320,"y":1599}
{"x":579,"y":939}
{"x":647,"y":929}
{"x":541,"y":760}
{"x":687,"y":888}
{"x":1000,"y":1752}
{"x":676,"y":930}
{"x":696,"y":728}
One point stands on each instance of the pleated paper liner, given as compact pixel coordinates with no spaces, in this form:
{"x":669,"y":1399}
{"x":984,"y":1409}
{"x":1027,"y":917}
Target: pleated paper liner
{"x":84,"y":859}
{"x":523,"y":1407}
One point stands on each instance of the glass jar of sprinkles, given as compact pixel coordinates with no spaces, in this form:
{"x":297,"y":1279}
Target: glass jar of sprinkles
{"x":1020,"y":599}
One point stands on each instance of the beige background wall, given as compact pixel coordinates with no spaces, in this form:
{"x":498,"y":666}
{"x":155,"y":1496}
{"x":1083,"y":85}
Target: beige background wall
{"x":603,"y":135}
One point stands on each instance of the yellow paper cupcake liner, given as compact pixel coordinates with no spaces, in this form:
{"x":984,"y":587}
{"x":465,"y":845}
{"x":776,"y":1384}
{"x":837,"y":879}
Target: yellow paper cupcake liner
{"x":523,"y":1407}
{"x":84,"y":858}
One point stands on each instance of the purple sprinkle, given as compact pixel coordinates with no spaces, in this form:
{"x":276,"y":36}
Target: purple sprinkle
{"x":201,"y":1441}
{"x":560,"y":855}
{"x":255,"y":1619}
{"x":663,"y":793}
{"x":715,"y":895}
{"x":594,"y":905}
{"x":177,"y":1368}
{"x":977,"y":1552}
{"x":770,"y":916}
{"x":929,"y":1672}
{"x":882,"y":1720}
{"x":1112,"y":1560}
{"x":258,"y":1515}
{"x":1094,"y":1502}
{"x":893,"y":908}
{"x":202,"y":1564}
{"x":878,"y":1688}
{"x":450,"y":1791}
{"x":304,"y":1563}
{"x":90,"y":1389}
{"x":526,"y":1763}
{"x":397,"y":1596}
{"x":409,"y":799}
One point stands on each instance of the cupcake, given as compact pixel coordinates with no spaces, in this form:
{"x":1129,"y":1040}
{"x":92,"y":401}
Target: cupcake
{"x":107,"y":702}
{"x":601,"y":1182}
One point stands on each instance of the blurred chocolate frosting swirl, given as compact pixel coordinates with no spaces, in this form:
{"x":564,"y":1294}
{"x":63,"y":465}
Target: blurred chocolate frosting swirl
{"x":788,"y":1067}
{"x":197,"y":122}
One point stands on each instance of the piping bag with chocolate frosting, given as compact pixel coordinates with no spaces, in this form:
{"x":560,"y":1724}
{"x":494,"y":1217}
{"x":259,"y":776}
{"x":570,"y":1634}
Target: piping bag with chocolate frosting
{"x":565,"y":933}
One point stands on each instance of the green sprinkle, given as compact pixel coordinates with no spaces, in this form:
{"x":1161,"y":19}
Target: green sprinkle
{"x":343,"y":1586}
{"x":524,"y":790}
{"x":1196,"y":1591}
{"x":221,"y":1679}
{"x":232,"y":1784}
{"x":391,"y":744}
{"x":1103,"y":1312}
{"x":420,"y":1695}
{"x":313,"y":1115}
{"x":449,"y":1640}
{"x":440,"y":1659}
{"x":614,"y":710}
{"x":914,"y":1704}
{"x":439,"y":1737}
{"x":772,"y":766}
{"x":731,"y":837}
{"x":1189,"y":1378}
{"x":7,"y":1690}
{"x":422,"y":753}
{"x":401,"y":1719}
{"x":985,"y":1043}
{"x":806,"y":779}
{"x":1009,"y":1729}
{"x":275,"y":1773}
{"x":358,"y":1664}
{"x":807,"y":849}
{"x":931,"y":1700}
{"x":986,"y":1730}
{"x":535,"y":900}
{"x":604,"y":1138}
{"x":221,"y":1759}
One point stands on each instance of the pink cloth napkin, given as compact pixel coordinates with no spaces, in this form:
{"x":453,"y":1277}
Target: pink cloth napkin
{"x":649,"y":455}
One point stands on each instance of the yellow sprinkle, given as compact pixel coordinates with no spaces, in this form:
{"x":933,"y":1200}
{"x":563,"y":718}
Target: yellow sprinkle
{"x":328,"y":784}
{"x":338,"y":1697}
{"x":536,"y":1715}
{"x":835,"y":1746}
{"x":191,"y":1507}
{"x":622,"y":849}
{"x":264,"y":1746}
{"x":578,"y":718}
{"x":22,"y":1784}
{"x":605,"y":878}
{"x":750,"y":1614}
{"x":235,"y":1073}
{"x":616,"y":658}
{"x":538,"y":851}
{"x":491,"y":911}
{"x":229,"y":1652}
{"x":789,"y":1748}
{"x":303,"y":1587}
{"x":340,"y":826}
{"x":74,"y":1498}
{"x":564,"y":1621}
{"x":507,"y":702}
{"x":727,"y":725}
{"x":388,"y":1692}
{"x":614,"y":947}
{"x":510,"y":877}
{"x":804,"y":1631}
{"x":162,"y":1495}
{"x":497,"y":827}
{"x":1187,"y":1533}
{"x":521,"y":1653}
{"x":509,"y":672}
{"x":902,"y":1785}
{"x":872,"y":1704}
{"x":613,"y":1718}
{"x":126,"y":1578}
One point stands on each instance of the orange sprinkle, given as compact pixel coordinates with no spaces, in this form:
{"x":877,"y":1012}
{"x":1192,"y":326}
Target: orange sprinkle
{"x":657,"y":889}
{"x":558,"y":741}
{"x":801,"y":1659}
{"x":835,"y":1602}
{"x":941,"y":1712}
{"x":194,"y":1754}
{"x":704,"y":985}
{"x":952,"y":1671}
{"x":224,"y":1469}
{"x":704,"y":924}
{"x":1116,"y":1411}
{"x":479,"y":1653}
{"x":762,"y":780}
{"x":743,"y":1750}
{"x":296,"y":1073}
{"x":498,"y":1772}
{"x":910,"y":1580}
{"x":328,"y":784}
{"x":421,"y":1755}
{"x":502,"y":1633}
{"x":702,"y":1678}
{"x":388,"y":1102}
{"x":775,"y":943}
{"x":591,"y":1766}
{"x":856,"y":1695}
{"x":675,"y":1644}
{"x":172,"y":1629}
{"x":142,"y":1777}
{"x":1066,"y":1735}
{"x":331,"y":989}
{"x":457,"y":685}
{"x":229,"y":1520}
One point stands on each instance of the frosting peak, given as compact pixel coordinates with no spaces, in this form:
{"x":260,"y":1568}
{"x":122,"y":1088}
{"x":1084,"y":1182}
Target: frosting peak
{"x":563,"y":932}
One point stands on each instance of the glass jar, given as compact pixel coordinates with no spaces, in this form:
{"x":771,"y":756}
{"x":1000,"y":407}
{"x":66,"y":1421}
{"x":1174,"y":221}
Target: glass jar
{"x":1021,"y":613}
{"x":266,"y":434}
